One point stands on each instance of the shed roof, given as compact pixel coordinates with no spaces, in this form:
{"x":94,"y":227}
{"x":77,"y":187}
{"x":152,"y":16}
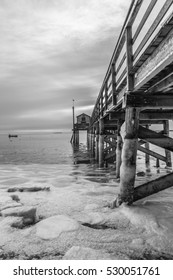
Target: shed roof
{"x":83,"y":114}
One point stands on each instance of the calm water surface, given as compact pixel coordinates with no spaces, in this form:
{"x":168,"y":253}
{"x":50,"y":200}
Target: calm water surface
{"x":36,"y":148}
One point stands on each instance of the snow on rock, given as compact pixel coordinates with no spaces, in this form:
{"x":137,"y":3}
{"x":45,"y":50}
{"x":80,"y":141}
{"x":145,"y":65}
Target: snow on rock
{"x":17,"y":222}
{"x":29,"y":188}
{"x":84,"y":253}
{"x":141,"y":217}
{"x":112,"y":219}
{"x":52,"y":227}
{"x":9,"y":222}
{"x":7,"y":202}
{"x":27,"y":213}
{"x":15,"y":197}
{"x":92,"y":206}
{"x":137,"y":242}
{"x":92,"y":218}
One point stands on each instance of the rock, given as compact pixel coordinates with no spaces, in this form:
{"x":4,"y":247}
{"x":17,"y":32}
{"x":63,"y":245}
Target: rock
{"x":52,"y":227}
{"x":27,"y":213}
{"x":7,"y":202}
{"x":17,"y":223}
{"x":103,"y":220}
{"x":29,"y":188}
{"x":141,"y":174}
{"x":15,"y":197}
{"x":9,"y":222}
{"x":84,"y":253}
{"x":91,"y":218}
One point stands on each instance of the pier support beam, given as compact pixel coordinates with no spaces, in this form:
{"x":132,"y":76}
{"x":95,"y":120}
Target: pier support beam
{"x":92,"y":141}
{"x":76,"y":137}
{"x":101,"y":143}
{"x":89,"y":140}
{"x":118,"y":150}
{"x":167,"y":153}
{"x":129,"y":152}
{"x":147,"y":146}
{"x":97,"y":143}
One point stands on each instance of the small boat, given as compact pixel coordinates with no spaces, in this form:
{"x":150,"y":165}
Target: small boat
{"x":12,"y":135}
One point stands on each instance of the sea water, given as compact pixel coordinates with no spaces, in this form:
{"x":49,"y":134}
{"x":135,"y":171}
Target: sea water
{"x":83,"y":193}
{"x":42,"y":148}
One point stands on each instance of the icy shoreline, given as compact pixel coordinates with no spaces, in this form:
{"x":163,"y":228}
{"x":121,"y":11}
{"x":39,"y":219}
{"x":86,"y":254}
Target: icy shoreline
{"x":72,"y":220}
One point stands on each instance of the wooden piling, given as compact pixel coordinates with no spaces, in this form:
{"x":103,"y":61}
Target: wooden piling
{"x":97,"y":142}
{"x":130,"y":145}
{"x":167,"y":153}
{"x":129,"y":152}
{"x":157,"y":163}
{"x":76,"y":137}
{"x":118,"y":149}
{"x":89,"y":140}
{"x":101,"y":143}
{"x":147,"y":146}
{"x":92,"y":142}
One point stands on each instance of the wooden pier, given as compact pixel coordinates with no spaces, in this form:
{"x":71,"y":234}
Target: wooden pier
{"x":137,"y":92}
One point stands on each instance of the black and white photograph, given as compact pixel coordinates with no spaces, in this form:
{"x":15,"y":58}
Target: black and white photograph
{"x":86,"y":131}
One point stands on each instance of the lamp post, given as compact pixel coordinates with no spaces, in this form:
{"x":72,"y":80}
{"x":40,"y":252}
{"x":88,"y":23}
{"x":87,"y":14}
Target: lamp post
{"x":73,"y":123}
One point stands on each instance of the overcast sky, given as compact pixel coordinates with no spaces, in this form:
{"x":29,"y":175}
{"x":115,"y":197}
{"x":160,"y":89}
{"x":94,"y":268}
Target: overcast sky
{"x":52,"y":51}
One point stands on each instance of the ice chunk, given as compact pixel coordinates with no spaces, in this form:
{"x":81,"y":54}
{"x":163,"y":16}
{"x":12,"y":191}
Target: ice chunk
{"x":84,"y":253}
{"x":52,"y":227}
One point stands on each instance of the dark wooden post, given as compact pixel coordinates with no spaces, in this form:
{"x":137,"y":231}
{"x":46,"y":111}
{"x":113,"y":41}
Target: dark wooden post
{"x":92,"y":141}
{"x":157,"y":163}
{"x":106,"y":95}
{"x":76,"y":137}
{"x":101,"y":143}
{"x":167,"y":153}
{"x":118,"y":149}
{"x":129,"y":55}
{"x":89,"y":140}
{"x":113,"y":73}
{"x":147,"y":146}
{"x":97,"y":142}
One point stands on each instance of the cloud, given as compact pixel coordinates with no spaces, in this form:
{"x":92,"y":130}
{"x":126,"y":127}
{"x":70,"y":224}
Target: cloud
{"x":52,"y":51}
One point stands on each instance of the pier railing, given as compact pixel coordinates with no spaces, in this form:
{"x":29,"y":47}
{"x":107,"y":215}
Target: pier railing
{"x":142,"y":51}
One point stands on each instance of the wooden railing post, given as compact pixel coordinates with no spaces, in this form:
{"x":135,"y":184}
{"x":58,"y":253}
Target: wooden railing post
{"x":113,"y":73}
{"x":101,"y":100}
{"x":106,"y":95}
{"x":129,"y":58}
